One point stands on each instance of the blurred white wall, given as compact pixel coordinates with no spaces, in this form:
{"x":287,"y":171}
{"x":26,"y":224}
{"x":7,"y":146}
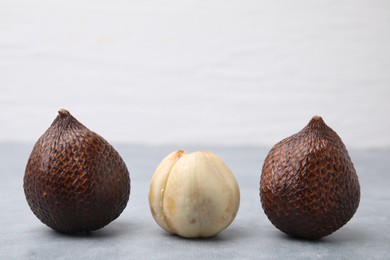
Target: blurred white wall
{"x":182,"y":72}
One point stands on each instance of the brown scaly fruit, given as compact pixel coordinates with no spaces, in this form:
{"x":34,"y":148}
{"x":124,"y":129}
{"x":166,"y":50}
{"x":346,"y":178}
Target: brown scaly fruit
{"x":309,"y":187}
{"x":75,"y":181}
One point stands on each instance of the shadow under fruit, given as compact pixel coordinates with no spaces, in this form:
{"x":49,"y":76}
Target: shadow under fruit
{"x":309,"y":187}
{"x":75,"y":180}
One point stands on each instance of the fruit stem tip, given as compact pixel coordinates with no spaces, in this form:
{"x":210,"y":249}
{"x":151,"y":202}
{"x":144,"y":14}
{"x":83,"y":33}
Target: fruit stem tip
{"x":63,"y":112}
{"x":316,"y":118}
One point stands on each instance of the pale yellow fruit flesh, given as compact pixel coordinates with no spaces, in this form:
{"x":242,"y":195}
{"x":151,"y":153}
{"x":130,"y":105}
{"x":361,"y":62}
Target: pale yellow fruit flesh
{"x":194,"y":195}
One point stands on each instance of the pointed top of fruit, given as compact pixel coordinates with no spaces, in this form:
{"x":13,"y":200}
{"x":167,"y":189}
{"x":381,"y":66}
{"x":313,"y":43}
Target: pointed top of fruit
{"x":317,"y":123}
{"x":65,"y":120}
{"x":317,"y":128}
{"x":63,"y":112}
{"x":316,"y":118}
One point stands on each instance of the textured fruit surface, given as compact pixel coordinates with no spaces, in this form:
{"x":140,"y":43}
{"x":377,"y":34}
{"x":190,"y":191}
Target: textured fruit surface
{"x":309,"y":187}
{"x":75,"y":180}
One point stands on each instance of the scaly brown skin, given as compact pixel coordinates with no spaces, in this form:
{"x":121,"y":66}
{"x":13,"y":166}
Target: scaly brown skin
{"x":75,"y":180}
{"x":309,"y":187}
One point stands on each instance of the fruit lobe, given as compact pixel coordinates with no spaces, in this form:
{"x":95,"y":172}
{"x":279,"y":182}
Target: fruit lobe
{"x":309,"y":187}
{"x":75,"y":180}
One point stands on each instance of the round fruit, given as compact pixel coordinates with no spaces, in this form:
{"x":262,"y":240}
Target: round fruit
{"x":193,"y":195}
{"x":309,"y":187}
{"x":75,"y":180}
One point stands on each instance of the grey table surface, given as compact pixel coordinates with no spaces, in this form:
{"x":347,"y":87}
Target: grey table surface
{"x":135,"y":235}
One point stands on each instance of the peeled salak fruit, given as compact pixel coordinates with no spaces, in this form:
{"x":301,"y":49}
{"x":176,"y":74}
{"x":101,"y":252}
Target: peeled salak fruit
{"x":75,"y":181}
{"x":309,"y":187}
{"x":193,"y":195}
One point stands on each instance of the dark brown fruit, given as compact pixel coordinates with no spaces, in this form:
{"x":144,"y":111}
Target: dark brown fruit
{"x":75,"y":180}
{"x":309,"y":187}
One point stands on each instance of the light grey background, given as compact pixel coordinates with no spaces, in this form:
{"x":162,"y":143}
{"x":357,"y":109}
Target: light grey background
{"x":222,"y":72}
